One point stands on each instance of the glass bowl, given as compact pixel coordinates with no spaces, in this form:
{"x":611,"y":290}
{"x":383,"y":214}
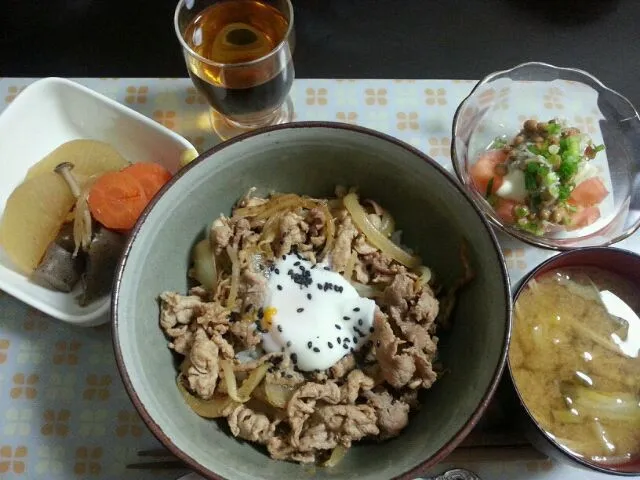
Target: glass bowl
{"x":502,"y":101}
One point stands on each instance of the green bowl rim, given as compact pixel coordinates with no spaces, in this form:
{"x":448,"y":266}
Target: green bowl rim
{"x":455,"y":440}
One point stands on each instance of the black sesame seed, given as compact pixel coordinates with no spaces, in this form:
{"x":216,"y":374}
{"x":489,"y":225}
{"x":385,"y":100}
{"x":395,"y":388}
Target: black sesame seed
{"x":346,"y":318}
{"x":371,"y":329}
{"x":313,"y":266}
{"x":288,"y":375}
{"x":309,"y":296}
{"x":289,"y":344}
{"x":338,"y":339}
{"x":360,"y":334}
{"x":309,"y":344}
{"x":280,"y":328}
{"x":290,"y":272}
{"x":260,"y":312}
{"x":296,"y":264}
{"x":338,"y":326}
{"x":277,"y":271}
{"x":320,"y":286}
{"x":327,"y":269}
{"x":317,"y":337}
{"x":330,"y":345}
{"x":357,"y":309}
{"x":300,"y":310}
{"x":294,"y":357}
{"x":360,"y":322}
{"x":345,"y":346}
{"x":279,"y":287}
{"x":284,"y":257}
{"x":351,"y":350}
{"x":316,"y":349}
{"x":355,"y":339}
{"x":347,"y":340}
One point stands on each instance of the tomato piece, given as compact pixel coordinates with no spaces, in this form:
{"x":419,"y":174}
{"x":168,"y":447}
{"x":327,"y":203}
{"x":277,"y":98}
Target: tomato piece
{"x":588,"y":193}
{"x":505,"y":210}
{"x":485,"y":169}
{"x":584,"y":217}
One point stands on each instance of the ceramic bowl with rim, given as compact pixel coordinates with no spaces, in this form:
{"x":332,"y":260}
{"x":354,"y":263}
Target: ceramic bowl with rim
{"x":623,"y":263}
{"x":46,"y":114}
{"x":500,"y":103}
{"x":311,"y":158}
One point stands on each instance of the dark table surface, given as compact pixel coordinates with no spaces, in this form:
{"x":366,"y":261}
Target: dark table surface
{"x":338,"y":38}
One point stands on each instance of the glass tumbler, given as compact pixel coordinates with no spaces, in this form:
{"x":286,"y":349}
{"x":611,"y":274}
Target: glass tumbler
{"x":239,"y":57}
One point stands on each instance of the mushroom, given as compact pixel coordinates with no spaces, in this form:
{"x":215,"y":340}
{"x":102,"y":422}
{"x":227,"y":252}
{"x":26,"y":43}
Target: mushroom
{"x":82,"y":223}
{"x":102,"y":258}
{"x":59,"y":270}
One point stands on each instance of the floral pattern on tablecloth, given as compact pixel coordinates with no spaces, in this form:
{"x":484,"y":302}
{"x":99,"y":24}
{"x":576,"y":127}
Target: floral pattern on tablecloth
{"x":64,"y":412}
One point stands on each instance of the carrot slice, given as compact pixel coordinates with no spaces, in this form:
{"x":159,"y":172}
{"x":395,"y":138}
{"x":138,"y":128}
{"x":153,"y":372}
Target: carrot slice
{"x":588,"y":193}
{"x":116,"y":200}
{"x":484,"y":170}
{"x":151,"y":176}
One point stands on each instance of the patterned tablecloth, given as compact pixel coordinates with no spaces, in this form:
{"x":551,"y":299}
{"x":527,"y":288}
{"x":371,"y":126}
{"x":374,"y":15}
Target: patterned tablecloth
{"x":63,"y":411}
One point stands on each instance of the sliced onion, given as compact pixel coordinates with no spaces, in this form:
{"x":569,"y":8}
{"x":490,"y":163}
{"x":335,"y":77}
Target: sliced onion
{"x":374,"y":236}
{"x":213,"y":408}
{"x":278,"y":395}
{"x":337,"y":455}
{"x":425,"y":275}
{"x":376,"y":207}
{"x":253,"y":380}
{"x":230,"y":381}
{"x":366,"y":291}
{"x":235,"y":277}
{"x":329,"y":230}
{"x":348,"y":270}
{"x":387,"y":224}
{"x":265,"y":210}
{"x":204,"y":265}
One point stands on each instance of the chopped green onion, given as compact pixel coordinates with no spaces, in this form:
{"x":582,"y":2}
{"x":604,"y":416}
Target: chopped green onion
{"x":564,"y":191}
{"x":543,"y":170}
{"x":598,"y":148}
{"x":553,"y":128}
{"x":489,"y":188}
{"x":530,"y":181}
{"x":498,"y":143}
{"x":533,"y":149}
{"x":521,"y":211}
{"x":568,"y":168}
{"x":536,"y":200}
{"x":531,"y":227}
{"x":555,"y":160}
{"x":550,"y":178}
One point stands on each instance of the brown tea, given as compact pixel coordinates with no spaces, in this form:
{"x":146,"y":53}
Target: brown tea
{"x":249,"y":72}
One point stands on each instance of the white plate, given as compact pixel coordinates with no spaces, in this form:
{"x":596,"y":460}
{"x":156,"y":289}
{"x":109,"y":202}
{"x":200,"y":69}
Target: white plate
{"x":45,"y":115}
